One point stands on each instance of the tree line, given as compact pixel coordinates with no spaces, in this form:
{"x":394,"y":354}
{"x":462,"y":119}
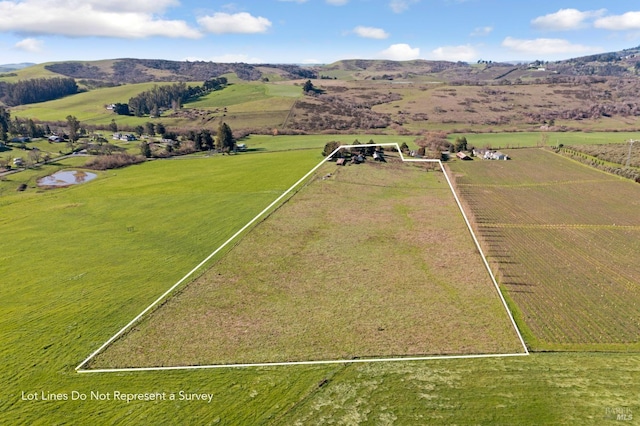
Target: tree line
{"x":36,"y":90}
{"x":150,"y":102}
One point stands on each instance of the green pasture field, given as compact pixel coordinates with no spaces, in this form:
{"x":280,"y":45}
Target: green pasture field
{"x":88,"y":107}
{"x":73,"y":274}
{"x":533,"y":139}
{"x":288,"y":142}
{"x":541,"y":389}
{"x":233,"y":95}
{"x":355,"y":265}
{"x":248,"y":105}
{"x":565,"y":239}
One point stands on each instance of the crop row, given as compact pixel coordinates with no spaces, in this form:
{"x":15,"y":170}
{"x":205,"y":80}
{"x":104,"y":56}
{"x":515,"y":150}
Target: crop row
{"x":564,"y":248}
{"x":569,"y":290}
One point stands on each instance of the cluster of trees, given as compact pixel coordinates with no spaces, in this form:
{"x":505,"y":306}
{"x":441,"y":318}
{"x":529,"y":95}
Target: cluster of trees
{"x":192,"y":141}
{"x":433,"y":144}
{"x":20,"y":126}
{"x":203,"y":139}
{"x":36,"y":90}
{"x":331,"y":146}
{"x":165,"y":97}
{"x":26,"y":127}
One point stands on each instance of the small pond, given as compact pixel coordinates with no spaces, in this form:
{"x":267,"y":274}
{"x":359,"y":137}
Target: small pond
{"x":66,"y":178}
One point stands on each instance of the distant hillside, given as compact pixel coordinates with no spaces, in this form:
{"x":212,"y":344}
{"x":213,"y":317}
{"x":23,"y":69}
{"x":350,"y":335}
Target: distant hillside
{"x":617,"y":64}
{"x":14,"y":67}
{"x":625,"y":63}
{"x":148,"y":70}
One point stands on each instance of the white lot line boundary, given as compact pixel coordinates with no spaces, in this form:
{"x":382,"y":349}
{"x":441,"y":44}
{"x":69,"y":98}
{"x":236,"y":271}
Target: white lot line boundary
{"x":80,"y":366}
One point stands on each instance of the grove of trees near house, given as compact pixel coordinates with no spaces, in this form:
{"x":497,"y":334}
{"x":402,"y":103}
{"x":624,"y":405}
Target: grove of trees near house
{"x":24,"y":127}
{"x":203,"y":139}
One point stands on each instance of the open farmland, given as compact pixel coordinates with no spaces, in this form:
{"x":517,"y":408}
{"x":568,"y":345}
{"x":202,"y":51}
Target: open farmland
{"x":536,"y":139}
{"x":354,"y":265}
{"x":620,"y":154}
{"x":243,"y":105}
{"x":72,"y":276}
{"x":88,"y":107}
{"x":565,"y":240}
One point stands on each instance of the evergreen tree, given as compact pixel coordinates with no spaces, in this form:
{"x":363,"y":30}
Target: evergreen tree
{"x":5,"y":120}
{"x":224,"y":139}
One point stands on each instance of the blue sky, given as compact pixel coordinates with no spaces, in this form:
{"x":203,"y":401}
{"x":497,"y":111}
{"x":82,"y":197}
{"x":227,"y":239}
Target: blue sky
{"x":313,"y":31}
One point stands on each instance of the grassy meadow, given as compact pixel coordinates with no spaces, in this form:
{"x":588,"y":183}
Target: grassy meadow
{"x":78,"y":263}
{"x":85,"y":259}
{"x":88,"y":107}
{"x":244,"y":105}
{"x":359,"y":268}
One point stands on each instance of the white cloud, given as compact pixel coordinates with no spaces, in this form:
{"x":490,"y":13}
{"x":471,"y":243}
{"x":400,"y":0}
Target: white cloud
{"x":481,"y":31}
{"x":32,"y":45}
{"x":141,"y":6}
{"x":371,"y":32}
{"x":547,"y":46}
{"x":237,"y":23}
{"x":399,"y":6}
{"x":119,"y":19}
{"x":338,"y":2}
{"x":565,"y":19}
{"x":400,"y":52}
{"x":463,"y":53}
{"x":627,"y":21}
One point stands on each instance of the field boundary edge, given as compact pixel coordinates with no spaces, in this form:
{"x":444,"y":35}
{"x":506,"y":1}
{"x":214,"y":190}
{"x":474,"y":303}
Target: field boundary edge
{"x":163,"y":297}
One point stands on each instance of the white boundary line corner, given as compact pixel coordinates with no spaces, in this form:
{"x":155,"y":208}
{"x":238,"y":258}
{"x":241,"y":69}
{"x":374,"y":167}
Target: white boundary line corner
{"x":164,"y":295}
